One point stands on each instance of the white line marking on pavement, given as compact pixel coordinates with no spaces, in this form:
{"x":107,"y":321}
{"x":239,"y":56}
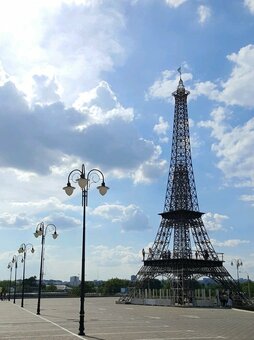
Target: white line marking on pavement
{"x":140,"y":332}
{"x":191,"y":316}
{"x":32,"y":337}
{"x":243,"y":310}
{"x":192,"y":338}
{"x":55,"y":324}
{"x":153,"y":317}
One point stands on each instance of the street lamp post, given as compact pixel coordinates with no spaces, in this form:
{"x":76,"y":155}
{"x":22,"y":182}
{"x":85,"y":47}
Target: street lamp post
{"x":84,"y":181}
{"x":248,"y":283}
{"x":237,"y":263}
{"x":10,"y":265}
{"x":23,"y":249}
{"x":248,"y":278}
{"x":15,"y":261}
{"x":41,"y":230}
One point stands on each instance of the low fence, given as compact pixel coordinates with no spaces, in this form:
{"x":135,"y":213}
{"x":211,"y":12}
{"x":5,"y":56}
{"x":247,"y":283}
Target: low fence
{"x":167,"y":297}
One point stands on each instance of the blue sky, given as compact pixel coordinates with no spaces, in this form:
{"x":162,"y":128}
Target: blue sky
{"x":90,"y":81}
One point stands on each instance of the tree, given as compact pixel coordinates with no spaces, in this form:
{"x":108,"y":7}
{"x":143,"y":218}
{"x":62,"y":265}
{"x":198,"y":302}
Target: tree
{"x":248,"y":288}
{"x":152,"y":284}
{"x":51,"y":288}
{"x":30,"y":284}
{"x":89,"y":288}
{"x":75,"y":291}
{"x":4,"y":284}
{"x":113,"y":286}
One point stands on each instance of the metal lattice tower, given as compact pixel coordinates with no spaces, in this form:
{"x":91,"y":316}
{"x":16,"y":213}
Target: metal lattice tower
{"x":182,"y":250}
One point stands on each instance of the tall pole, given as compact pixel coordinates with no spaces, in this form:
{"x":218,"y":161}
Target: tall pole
{"x":15,"y":261}
{"x":83,"y":183}
{"x":23,"y":249}
{"x":248,"y":278}
{"x":238,"y":263}
{"x":9,"y":293}
{"x":23,"y":280}
{"x":237,"y":272}
{"x":41,"y":273}
{"x":82,"y":284}
{"x":15,"y":281}
{"x":41,"y":230}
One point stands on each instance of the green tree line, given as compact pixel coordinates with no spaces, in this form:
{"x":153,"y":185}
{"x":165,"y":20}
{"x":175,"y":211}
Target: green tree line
{"x":113,"y":286}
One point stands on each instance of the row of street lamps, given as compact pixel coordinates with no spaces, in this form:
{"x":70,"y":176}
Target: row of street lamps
{"x":23,"y":249}
{"x":237,"y":263}
{"x":41,"y":230}
{"x":84,"y":181}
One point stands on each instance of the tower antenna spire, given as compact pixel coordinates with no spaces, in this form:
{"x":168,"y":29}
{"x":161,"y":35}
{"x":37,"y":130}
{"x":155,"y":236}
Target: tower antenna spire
{"x":179,"y":70}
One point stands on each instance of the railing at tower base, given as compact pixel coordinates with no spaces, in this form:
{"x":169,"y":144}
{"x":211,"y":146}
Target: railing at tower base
{"x":168,"y":297}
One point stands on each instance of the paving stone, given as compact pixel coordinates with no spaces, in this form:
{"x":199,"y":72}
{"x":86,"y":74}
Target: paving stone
{"x":106,"y":320}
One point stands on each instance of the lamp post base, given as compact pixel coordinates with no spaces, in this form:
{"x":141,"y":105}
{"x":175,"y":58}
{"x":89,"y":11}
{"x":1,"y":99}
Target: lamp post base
{"x":81,"y":325}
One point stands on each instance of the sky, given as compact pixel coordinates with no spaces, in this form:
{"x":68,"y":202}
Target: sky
{"x":90,"y":82}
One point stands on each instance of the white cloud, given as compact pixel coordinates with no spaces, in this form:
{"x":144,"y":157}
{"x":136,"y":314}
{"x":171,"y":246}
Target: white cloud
{"x":250,"y":5}
{"x":195,"y":142}
{"x":248,"y":198}
{"x":162,"y":127}
{"x":107,"y":262}
{"x":175,"y":3}
{"x":49,"y":204}
{"x":214,"y":222}
{"x":73,"y":41}
{"x":229,"y":243}
{"x":130,"y":218}
{"x":100,"y":105}
{"x":101,"y":94}
{"x":119,"y":255}
{"x":102,"y":122}
{"x":166,"y":84}
{"x":16,"y":221}
{"x":217,"y":123}
{"x":27,"y":214}
{"x":4,"y":76}
{"x":149,"y":170}
{"x":62,"y":221}
{"x":204,"y":13}
{"x":207,"y":88}
{"x":237,"y":90}
{"x":46,"y":90}
{"x":234,"y":147}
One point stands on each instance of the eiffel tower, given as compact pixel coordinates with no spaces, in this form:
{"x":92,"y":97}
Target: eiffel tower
{"x":182,"y":250}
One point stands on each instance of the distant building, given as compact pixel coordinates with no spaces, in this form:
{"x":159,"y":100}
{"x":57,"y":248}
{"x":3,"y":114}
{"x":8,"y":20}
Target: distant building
{"x":62,"y":288}
{"x":52,"y":282}
{"x":74,"y":281}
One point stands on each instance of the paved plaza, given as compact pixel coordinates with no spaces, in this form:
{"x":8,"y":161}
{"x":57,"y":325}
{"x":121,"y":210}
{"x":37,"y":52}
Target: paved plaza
{"x":106,"y":320}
